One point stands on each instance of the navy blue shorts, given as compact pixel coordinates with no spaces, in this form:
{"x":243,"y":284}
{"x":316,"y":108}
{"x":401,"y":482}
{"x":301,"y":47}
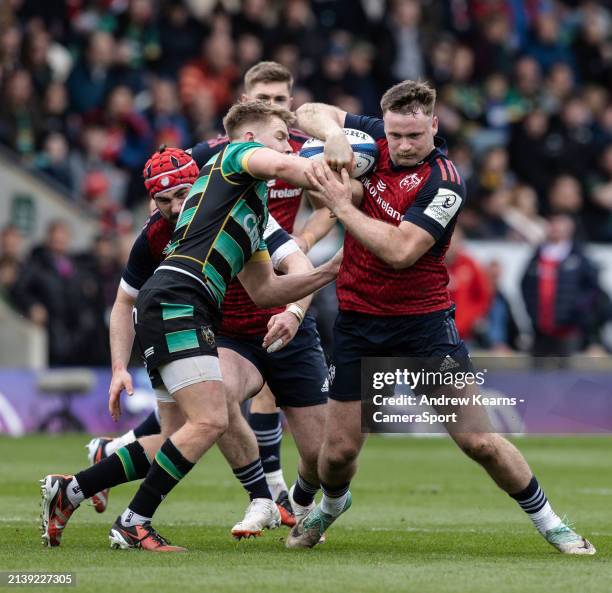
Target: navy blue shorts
{"x":296,"y":374}
{"x":358,"y":335}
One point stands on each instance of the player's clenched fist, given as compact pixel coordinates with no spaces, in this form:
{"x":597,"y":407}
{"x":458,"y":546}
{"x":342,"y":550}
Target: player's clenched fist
{"x":338,"y":152}
{"x":281,"y":330}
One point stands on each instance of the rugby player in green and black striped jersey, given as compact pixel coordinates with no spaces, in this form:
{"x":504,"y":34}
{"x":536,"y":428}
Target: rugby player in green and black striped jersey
{"x":218,"y":236}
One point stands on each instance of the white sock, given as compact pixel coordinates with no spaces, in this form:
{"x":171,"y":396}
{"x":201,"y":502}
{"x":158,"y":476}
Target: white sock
{"x":276,"y":483}
{"x":333,"y":506}
{"x":75,"y":496}
{"x":122,"y":441}
{"x":545,"y":519}
{"x":130,"y":518}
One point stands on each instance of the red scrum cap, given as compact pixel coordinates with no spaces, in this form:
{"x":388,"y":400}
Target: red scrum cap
{"x":169,"y":168}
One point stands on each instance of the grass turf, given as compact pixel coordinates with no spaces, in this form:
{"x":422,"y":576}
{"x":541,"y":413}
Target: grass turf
{"x":424,"y":519}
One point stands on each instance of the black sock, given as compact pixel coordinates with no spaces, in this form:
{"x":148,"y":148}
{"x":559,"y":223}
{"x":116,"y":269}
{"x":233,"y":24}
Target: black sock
{"x":150,"y":425}
{"x":304,"y":492}
{"x":168,"y":468}
{"x":269,"y":433}
{"x":252,"y":478}
{"x":335,"y":492}
{"x":126,"y":464}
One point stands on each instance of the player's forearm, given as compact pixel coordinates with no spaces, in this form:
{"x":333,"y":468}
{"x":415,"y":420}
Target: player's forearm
{"x":298,"y":263}
{"x":121,"y":333}
{"x":281,"y":290}
{"x":320,"y":120}
{"x":317,"y":226}
{"x":382,"y":239}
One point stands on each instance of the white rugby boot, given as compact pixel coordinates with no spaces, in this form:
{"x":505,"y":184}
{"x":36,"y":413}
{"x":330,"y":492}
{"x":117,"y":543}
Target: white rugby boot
{"x":261,"y":514}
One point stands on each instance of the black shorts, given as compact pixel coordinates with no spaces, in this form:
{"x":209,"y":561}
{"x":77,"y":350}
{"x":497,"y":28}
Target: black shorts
{"x":296,"y":374}
{"x":357,"y":335}
{"x":173,"y":319}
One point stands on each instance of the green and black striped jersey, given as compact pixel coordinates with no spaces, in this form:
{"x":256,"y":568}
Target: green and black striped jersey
{"x":222,"y":222}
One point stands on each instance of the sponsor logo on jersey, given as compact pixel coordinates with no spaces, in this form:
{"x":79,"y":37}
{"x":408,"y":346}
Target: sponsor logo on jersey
{"x":410,"y":182}
{"x":209,"y":335}
{"x":443,"y":207}
{"x":376,"y":190}
{"x":287,"y":192}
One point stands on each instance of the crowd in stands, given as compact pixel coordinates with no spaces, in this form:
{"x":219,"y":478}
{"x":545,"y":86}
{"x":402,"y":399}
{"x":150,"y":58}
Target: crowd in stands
{"x":91,"y":87}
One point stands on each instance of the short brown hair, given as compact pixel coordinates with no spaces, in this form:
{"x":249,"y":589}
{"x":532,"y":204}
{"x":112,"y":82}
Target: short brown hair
{"x":253,"y":112}
{"x":408,"y":97}
{"x":267,"y":72}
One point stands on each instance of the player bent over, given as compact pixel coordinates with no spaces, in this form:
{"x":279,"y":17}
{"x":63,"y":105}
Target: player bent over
{"x":217,"y":237}
{"x":393,"y":298}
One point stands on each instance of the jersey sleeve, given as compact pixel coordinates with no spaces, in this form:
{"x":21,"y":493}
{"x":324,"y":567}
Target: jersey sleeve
{"x":235,"y":158}
{"x":370,"y":125}
{"x":204,"y":151}
{"x":140,"y":266}
{"x":279,"y":241}
{"x":438,"y":202}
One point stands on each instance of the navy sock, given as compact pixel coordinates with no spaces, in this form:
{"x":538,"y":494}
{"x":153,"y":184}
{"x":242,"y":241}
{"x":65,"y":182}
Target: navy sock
{"x":150,"y":425}
{"x":168,"y":468}
{"x":336,"y":491}
{"x":253,"y":480}
{"x":126,"y":464}
{"x":269,"y":433}
{"x":532,"y":499}
{"x":304,"y":492}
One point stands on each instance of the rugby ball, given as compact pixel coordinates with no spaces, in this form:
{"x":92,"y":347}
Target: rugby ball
{"x":363,"y":145}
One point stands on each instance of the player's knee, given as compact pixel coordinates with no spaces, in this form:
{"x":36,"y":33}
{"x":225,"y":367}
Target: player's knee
{"x":211,"y":426}
{"x":310,"y":458}
{"x":480,"y":447}
{"x":341,"y":455}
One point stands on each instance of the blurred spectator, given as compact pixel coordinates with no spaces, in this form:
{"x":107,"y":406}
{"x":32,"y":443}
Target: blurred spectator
{"x":92,"y":161}
{"x":600,"y":218}
{"x":94,"y":75}
{"x":180,"y":37}
{"x":129,"y":138}
{"x":500,"y":331}
{"x":522,"y":216}
{"x":214,"y":72}
{"x":100,"y":272}
{"x":559,"y":288}
{"x":48,"y":293}
{"x":139,"y":30}
{"x":546,"y":44}
{"x":20,"y":121}
{"x":592,"y":45}
{"x":565,"y":197}
{"x":468,"y":286}
{"x":53,"y":160}
{"x":403,"y":44}
{"x":493,"y":49}
{"x":11,"y":258}
{"x":168,"y":124}
{"x":55,"y":116}
{"x":35,"y":58}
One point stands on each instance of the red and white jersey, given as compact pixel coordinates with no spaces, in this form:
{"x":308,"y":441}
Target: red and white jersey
{"x":429,"y":195}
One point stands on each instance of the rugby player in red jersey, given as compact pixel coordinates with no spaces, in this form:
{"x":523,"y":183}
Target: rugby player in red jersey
{"x":393,"y":298}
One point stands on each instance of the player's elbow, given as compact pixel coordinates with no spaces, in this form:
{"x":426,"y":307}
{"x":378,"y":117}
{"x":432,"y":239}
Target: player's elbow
{"x":400,"y":259}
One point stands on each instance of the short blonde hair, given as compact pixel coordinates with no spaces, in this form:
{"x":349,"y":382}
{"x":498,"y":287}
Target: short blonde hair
{"x":253,"y":112}
{"x":267,"y":72}
{"x":408,"y":97}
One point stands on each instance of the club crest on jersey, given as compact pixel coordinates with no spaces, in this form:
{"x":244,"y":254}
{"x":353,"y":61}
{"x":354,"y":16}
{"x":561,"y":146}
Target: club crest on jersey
{"x":410,"y":182}
{"x":209,"y":335}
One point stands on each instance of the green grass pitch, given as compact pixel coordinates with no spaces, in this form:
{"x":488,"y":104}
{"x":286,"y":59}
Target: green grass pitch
{"x":424,"y":519}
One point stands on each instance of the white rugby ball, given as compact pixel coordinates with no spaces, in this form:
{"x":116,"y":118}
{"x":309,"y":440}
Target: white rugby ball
{"x":363,"y":145}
